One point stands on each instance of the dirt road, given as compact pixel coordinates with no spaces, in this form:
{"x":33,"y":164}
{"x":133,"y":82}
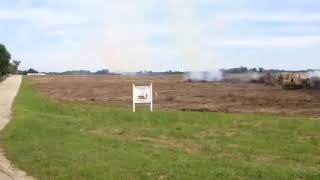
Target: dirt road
{"x":8,"y":91}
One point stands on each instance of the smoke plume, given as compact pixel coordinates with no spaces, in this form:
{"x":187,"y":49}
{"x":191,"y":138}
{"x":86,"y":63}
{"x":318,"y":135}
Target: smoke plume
{"x":214,"y":75}
{"x":313,"y":74}
{"x":126,"y":43}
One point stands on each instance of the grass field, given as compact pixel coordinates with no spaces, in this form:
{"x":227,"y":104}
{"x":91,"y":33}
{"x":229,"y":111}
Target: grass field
{"x":54,"y":140}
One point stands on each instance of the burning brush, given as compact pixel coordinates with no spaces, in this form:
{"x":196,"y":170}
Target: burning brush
{"x":204,"y":76}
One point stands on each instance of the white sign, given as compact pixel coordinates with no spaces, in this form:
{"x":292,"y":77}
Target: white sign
{"x":142,"y":95}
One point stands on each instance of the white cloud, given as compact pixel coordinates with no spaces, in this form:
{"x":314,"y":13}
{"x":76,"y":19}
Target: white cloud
{"x":58,"y":32}
{"x":9,"y":15}
{"x":226,"y":20}
{"x":271,"y":17}
{"x":43,"y":17}
{"x":275,"y":42}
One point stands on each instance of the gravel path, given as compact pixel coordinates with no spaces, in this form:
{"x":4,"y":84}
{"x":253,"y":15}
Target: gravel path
{"x":8,"y":90}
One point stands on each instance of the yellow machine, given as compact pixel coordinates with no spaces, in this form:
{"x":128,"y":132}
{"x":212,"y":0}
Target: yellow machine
{"x":293,"y":80}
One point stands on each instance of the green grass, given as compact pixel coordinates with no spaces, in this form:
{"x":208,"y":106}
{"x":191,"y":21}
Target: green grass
{"x":52,"y":140}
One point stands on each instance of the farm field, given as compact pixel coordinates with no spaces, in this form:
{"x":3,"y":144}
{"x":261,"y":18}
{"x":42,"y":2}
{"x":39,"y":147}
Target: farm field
{"x":73,"y":140}
{"x":172,"y":92}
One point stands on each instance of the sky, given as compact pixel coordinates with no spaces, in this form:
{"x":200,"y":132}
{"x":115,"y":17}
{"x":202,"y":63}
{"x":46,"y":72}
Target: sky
{"x":160,"y":35}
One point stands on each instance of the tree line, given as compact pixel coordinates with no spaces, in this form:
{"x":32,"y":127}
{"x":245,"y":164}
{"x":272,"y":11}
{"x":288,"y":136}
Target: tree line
{"x":6,"y":65}
{"x":80,"y":72}
{"x":243,"y":69}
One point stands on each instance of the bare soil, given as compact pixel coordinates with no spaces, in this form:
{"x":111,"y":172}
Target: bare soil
{"x":172,"y":92}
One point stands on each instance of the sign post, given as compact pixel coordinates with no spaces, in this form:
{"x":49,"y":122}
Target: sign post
{"x":151,"y":97}
{"x":142,"y":95}
{"x":133,"y":96}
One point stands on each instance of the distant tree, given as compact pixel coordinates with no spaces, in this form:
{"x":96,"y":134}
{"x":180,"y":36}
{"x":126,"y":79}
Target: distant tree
{"x":16,"y":65}
{"x":253,"y":70}
{"x":103,"y":71}
{"x":243,"y":69}
{"x":76,"y":72}
{"x":16,"y":62}
{"x":13,"y":67}
{"x":236,"y":70}
{"x":32,"y":71}
{"x":22,"y":72}
{"x":261,"y":70}
{"x":171,"y":72}
{"x":4,"y":60}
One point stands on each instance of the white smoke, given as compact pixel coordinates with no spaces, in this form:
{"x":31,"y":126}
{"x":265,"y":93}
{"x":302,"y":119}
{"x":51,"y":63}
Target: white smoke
{"x":313,"y":74}
{"x":255,"y":75}
{"x":314,"y":77}
{"x":258,"y":77}
{"x":213,"y":75}
{"x":123,"y":44}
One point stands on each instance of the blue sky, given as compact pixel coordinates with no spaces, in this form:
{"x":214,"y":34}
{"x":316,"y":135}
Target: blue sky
{"x":131,"y":35}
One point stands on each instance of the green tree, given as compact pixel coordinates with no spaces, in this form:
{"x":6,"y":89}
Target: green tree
{"x":261,"y":70}
{"x":4,"y":60}
{"x":13,"y":67}
{"x":16,"y":63}
{"x":103,"y":71}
